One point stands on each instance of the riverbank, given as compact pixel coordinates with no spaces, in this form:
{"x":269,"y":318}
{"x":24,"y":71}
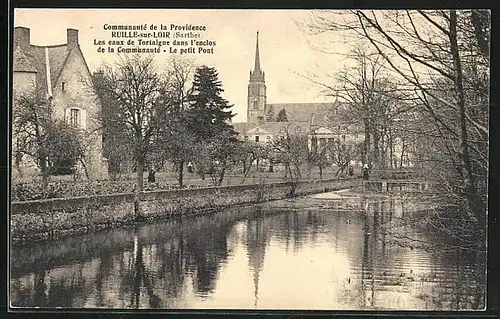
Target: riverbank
{"x":65,"y":186}
{"x":51,"y":218}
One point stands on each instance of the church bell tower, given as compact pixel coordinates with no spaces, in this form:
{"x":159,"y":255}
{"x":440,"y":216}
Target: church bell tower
{"x":256,"y":102}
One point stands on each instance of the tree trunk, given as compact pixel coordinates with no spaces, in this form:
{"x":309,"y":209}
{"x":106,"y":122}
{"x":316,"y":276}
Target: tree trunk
{"x":297,"y":169}
{"x":140,"y":175}
{"x":18,"y":160}
{"x":337,"y":173}
{"x":181,"y":174}
{"x":85,"y":170}
{"x":376,"y":150}
{"x":402,"y":153}
{"x":391,"y":149}
{"x":476,"y":204}
{"x":222,"y":173}
{"x":366,"y":143}
{"x":288,"y":172}
{"x":44,"y":170}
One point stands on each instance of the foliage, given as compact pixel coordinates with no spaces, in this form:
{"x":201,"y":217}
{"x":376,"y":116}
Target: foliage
{"x":207,"y":122}
{"x":65,"y":148}
{"x":115,"y":137}
{"x":282,"y":116}
{"x":270,"y":116}
{"x":208,"y":113}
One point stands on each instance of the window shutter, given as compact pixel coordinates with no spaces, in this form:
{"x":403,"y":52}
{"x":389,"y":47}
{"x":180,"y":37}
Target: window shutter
{"x":83,"y":121}
{"x":67,"y":116}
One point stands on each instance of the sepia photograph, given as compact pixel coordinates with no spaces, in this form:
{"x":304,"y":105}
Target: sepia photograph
{"x":244,"y":159}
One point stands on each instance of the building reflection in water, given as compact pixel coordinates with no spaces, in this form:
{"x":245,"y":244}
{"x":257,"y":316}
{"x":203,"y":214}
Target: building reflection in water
{"x":325,"y":254}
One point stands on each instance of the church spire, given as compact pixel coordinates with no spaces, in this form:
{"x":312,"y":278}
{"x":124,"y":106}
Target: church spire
{"x":257,"y":75}
{"x":257,"y":57}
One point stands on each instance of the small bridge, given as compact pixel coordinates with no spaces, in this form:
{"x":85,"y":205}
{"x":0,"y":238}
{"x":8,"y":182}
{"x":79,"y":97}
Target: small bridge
{"x":398,"y":185}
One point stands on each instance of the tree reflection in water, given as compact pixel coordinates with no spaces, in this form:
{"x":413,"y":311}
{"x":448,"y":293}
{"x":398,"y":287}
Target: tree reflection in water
{"x":173,"y":264}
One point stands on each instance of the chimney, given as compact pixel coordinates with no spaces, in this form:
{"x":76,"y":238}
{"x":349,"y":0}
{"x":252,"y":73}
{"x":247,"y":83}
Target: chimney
{"x":72,"y":36}
{"x":22,"y":38}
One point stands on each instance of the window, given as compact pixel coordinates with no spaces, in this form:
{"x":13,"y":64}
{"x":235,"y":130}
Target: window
{"x":257,"y":138}
{"x":74,"y":117}
{"x":63,"y":86}
{"x":246,"y":138}
{"x":322,"y":142}
{"x":255,"y":104}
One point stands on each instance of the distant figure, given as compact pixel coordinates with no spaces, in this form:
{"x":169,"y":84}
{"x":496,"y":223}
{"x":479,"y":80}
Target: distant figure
{"x":151,"y":175}
{"x":366,"y":172}
{"x":351,"y":171}
{"x":190,"y":167}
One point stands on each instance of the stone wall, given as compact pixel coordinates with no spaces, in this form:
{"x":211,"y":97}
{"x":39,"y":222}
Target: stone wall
{"x":41,"y":219}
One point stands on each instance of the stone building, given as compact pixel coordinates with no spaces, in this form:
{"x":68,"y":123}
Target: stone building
{"x":59,"y":75}
{"x":316,"y":120}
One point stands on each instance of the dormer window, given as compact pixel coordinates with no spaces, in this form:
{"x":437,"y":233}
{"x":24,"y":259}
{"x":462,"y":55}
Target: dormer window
{"x":63,"y":86}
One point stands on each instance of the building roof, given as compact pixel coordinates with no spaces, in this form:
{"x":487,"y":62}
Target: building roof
{"x":35,"y":59}
{"x":309,"y":117}
{"x":21,"y":62}
{"x":304,"y":112}
{"x":273,"y":128}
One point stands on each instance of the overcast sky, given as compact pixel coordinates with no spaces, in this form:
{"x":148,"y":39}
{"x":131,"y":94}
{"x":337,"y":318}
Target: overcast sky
{"x":285,"y":51}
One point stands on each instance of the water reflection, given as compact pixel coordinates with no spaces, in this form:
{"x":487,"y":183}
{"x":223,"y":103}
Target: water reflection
{"x":308,"y":253}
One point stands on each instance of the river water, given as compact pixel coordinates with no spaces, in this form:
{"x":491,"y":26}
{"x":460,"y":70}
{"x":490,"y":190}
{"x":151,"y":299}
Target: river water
{"x":332,"y":251}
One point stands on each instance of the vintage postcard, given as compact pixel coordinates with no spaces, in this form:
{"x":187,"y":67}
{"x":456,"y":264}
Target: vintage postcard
{"x":249,"y":159}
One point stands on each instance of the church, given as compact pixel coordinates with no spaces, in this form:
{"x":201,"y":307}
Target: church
{"x":266,"y":122}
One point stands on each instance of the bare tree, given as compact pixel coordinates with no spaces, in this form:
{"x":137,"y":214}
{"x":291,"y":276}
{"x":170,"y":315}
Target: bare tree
{"x":442,"y":56}
{"x":318,"y":155}
{"x":291,"y":150}
{"x":342,"y":153}
{"x":174,"y":137}
{"x":48,"y":142}
{"x":143,"y":99}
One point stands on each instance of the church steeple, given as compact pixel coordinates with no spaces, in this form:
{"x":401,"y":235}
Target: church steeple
{"x":256,"y":105}
{"x":257,"y":57}
{"x":257,"y":75}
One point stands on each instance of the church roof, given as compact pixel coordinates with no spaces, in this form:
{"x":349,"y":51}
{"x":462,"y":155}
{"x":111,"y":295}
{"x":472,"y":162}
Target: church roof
{"x":304,"y":112}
